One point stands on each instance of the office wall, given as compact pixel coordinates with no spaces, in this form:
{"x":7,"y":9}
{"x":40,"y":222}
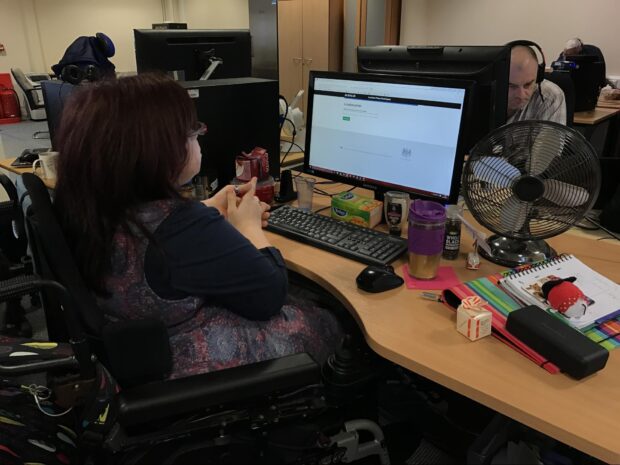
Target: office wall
{"x":216,"y":14}
{"x":12,"y":36}
{"x":548,"y":22}
{"x":37,"y":32}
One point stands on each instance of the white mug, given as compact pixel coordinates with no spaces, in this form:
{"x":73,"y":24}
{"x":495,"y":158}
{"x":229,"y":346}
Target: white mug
{"x":48,"y":165}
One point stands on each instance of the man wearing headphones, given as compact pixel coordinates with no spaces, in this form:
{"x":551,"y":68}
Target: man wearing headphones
{"x":530,"y":96}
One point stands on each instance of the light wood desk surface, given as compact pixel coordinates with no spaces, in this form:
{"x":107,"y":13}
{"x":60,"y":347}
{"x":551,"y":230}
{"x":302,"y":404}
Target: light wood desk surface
{"x":595,"y":116}
{"x":420,"y":335}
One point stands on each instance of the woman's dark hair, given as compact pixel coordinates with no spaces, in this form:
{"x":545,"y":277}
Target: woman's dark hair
{"x":122,"y":143}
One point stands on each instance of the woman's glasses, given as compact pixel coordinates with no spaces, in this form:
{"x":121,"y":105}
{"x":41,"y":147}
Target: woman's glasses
{"x":201,"y":131}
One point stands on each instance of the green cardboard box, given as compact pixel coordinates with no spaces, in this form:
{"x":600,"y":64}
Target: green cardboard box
{"x":356,"y":209}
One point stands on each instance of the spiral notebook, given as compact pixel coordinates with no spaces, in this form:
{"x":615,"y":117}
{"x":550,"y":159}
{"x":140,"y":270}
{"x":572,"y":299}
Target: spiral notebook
{"x":602,"y":294}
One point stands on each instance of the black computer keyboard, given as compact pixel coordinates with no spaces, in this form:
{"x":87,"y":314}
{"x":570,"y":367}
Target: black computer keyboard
{"x":345,"y":239}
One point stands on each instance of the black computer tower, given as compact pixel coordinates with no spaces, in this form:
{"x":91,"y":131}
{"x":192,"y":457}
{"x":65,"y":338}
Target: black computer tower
{"x":240,"y":114}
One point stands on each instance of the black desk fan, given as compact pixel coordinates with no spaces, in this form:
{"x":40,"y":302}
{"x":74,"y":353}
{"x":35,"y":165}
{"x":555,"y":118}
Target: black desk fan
{"x":528,"y":181}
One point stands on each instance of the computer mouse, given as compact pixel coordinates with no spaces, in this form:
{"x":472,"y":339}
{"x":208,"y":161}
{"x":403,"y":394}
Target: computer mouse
{"x":28,"y":156}
{"x":375,"y":278}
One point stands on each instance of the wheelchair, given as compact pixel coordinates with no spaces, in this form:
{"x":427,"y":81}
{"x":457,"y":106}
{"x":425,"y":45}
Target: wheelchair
{"x":13,"y":260}
{"x":106,"y":383}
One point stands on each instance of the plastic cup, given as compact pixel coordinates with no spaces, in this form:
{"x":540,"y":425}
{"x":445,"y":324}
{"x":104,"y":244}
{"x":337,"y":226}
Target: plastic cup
{"x":305,"y":188}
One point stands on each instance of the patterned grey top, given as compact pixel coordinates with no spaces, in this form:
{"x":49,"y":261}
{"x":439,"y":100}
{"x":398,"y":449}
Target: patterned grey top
{"x":551,"y":107}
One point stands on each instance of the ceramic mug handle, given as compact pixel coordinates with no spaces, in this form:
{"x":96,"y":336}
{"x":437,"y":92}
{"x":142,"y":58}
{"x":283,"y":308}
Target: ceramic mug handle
{"x":35,"y":167}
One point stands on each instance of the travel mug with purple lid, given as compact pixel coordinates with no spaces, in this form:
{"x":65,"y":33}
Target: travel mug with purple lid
{"x":427,"y":221}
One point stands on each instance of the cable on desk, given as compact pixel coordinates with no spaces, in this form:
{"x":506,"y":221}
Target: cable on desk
{"x":615,"y":236}
{"x":322,"y":192}
{"x":298,"y":146}
{"x":291,"y":143}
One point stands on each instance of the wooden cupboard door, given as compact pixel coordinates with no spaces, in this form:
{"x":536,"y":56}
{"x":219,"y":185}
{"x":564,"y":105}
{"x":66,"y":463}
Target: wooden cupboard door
{"x":316,"y":34}
{"x":290,"y":47}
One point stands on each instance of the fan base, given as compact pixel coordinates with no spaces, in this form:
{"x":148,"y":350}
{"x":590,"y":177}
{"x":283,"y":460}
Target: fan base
{"x":514,"y":252}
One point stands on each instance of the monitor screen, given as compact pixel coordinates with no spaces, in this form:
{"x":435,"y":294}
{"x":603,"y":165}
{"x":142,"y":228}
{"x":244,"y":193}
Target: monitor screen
{"x":387,"y":132}
{"x":55,"y":94}
{"x":487,"y":66}
{"x":187,"y":54}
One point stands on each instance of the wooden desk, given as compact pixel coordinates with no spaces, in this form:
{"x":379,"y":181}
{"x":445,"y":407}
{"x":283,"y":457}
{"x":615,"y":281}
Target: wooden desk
{"x":595,"y":116}
{"x":6,"y":165}
{"x":420,"y":335}
{"x":604,"y":103}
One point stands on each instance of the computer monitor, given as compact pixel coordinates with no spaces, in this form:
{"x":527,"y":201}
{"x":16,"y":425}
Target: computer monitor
{"x":55,"y":94}
{"x":187,"y":53}
{"x":487,"y":66}
{"x":587,"y":73}
{"x":387,"y":132}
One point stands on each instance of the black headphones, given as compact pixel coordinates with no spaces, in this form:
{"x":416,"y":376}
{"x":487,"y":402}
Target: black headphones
{"x":540,"y":72}
{"x":74,"y":74}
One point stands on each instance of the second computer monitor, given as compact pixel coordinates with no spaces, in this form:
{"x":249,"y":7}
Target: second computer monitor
{"x":187,"y":53}
{"x":387,"y":132}
{"x":55,"y":95}
{"x":487,"y":65}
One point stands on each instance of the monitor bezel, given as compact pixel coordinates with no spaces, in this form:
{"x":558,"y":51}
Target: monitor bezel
{"x":374,"y":185}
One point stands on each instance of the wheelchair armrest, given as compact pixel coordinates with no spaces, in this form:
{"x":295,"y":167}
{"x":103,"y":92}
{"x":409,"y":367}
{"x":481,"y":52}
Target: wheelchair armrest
{"x":19,"y":286}
{"x":157,"y":401}
{"x":20,"y":356}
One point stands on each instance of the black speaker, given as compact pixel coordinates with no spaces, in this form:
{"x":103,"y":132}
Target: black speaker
{"x":287,"y":192}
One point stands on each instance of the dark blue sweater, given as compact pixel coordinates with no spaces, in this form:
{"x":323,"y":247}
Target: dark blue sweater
{"x":197,"y":252}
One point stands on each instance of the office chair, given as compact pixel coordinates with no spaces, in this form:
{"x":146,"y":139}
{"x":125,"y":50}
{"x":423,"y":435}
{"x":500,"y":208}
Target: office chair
{"x":126,"y":411}
{"x":13,"y":260}
{"x":564,"y":82}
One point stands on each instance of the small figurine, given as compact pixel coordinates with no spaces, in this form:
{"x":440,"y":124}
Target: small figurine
{"x":565,"y":297}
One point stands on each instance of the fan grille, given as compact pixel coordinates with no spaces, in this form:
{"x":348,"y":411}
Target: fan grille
{"x":531,"y":179}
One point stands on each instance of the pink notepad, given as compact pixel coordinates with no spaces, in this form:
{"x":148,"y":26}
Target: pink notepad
{"x":446,"y":277}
